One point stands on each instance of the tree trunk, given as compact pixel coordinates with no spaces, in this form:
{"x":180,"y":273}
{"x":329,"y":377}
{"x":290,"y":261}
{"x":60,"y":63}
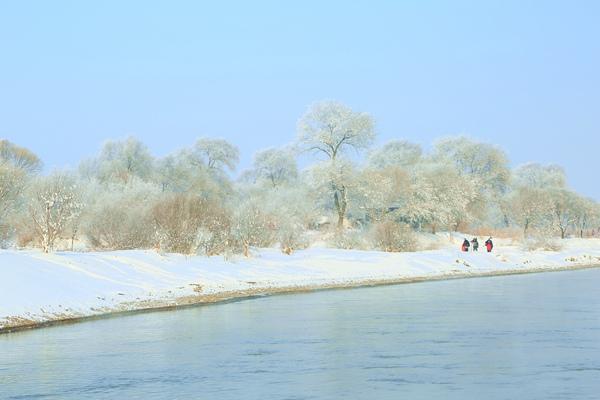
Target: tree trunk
{"x":340,"y":201}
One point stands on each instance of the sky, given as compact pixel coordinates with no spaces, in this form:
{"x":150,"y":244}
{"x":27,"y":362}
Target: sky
{"x":524,"y":75}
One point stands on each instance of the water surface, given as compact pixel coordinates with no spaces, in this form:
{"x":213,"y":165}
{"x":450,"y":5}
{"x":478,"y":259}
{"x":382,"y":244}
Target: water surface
{"x":527,"y":336}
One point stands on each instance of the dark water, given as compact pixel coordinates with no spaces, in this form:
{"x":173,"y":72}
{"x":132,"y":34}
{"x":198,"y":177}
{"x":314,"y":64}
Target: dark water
{"x":515,"y":337}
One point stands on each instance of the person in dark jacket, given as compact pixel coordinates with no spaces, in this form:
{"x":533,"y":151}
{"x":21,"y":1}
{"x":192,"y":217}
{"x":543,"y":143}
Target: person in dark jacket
{"x":489,"y":245}
{"x":475,"y":244}
{"x":465,"y":245}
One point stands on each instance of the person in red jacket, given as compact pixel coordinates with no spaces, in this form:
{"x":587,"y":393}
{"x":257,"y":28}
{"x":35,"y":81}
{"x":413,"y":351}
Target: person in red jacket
{"x":489,"y":245}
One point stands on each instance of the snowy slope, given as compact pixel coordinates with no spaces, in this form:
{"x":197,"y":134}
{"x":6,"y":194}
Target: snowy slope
{"x":37,"y":287}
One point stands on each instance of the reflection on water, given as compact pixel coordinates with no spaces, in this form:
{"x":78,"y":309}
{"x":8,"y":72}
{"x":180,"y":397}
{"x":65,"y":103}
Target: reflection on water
{"x":528,"y":337}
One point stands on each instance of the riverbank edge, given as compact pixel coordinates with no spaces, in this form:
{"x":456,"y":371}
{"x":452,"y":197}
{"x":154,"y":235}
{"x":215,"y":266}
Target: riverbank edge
{"x":147,"y":306}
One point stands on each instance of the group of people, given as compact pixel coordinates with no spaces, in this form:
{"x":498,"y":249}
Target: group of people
{"x":489,"y":245}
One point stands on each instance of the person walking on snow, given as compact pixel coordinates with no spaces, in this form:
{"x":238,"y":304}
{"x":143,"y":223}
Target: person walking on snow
{"x":465,"y":245}
{"x":475,"y":244}
{"x":489,"y":245}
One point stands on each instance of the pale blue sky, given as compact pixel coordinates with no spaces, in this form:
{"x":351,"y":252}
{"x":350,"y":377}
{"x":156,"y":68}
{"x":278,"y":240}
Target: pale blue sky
{"x":521,"y":74}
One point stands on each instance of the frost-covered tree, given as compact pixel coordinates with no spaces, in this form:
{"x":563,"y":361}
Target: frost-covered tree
{"x":53,"y":202}
{"x":440,"y":197}
{"x":187,"y":224}
{"x":395,"y":153}
{"x":19,"y":157}
{"x":380,"y":191}
{"x":534,"y":175}
{"x":331,"y":128}
{"x":337,"y":177}
{"x":178,"y":172}
{"x":564,"y":205}
{"x":215,"y":154}
{"x":275,"y":166}
{"x":120,"y":161}
{"x":251,"y":226}
{"x":12,"y":183}
{"x":586,"y":212}
{"x":119,"y":217}
{"x":486,"y":162}
{"x":17,"y":166}
{"x":530,"y":207}
{"x":292,"y":209}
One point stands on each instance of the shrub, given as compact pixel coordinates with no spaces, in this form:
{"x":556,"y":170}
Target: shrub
{"x":291,"y":237}
{"x":189,"y":224}
{"x":53,"y":202}
{"x":120,"y":221}
{"x":393,"y":237}
{"x":349,"y":239}
{"x":534,"y":243}
{"x":252,"y":227}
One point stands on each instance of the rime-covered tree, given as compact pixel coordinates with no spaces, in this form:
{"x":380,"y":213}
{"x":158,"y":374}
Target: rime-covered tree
{"x":19,"y":157}
{"x":380,"y":192}
{"x":534,"y":175}
{"x":530,"y":207}
{"x":440,"y":197}
{"x":586,"y":212}
{"x":331,"y":128}
{"x":564,"y":209}
{"x":17,"y":166}
{"x":486,"y":162}
{"x":251,"y":226}
{"x":275,"y":166}
{"x":120,"y":161}
{"x":53,"y":202}
{"x":12,"y":183}
{"x":215,"y":154}
{"x":395,"y":153}
{"x":336,"y":176}
{"x":118,"y":217}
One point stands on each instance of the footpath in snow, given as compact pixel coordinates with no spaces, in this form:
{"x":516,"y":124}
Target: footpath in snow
{"x":37,"y":288}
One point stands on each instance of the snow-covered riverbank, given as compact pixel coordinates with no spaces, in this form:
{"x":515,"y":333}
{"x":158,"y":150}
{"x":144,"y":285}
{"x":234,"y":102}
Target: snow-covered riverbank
{"x":36,"y":288}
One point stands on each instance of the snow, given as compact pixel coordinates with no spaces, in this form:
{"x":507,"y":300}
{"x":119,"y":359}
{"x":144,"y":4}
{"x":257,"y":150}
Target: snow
{"x":37,"y":287}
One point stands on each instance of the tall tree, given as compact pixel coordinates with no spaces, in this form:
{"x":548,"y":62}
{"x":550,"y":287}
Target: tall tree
{"x":276,"y":166}
{"x":19,"y":157}
{"x":215,"y":154}
{"x":486,"y":162}
{"x":395,"y":153}
{"x":330,"y":128}
{"x":53,"y":203}
{"x":120,"y":162}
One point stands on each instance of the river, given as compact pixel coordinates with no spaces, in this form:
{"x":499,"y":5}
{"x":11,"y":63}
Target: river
{"x":533,"y":336}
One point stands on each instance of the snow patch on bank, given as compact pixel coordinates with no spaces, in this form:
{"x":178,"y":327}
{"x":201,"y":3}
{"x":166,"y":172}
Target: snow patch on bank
{"x":37,"y":287}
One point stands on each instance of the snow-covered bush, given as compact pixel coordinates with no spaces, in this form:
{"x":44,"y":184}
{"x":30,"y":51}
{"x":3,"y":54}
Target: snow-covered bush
{"x":12,"y":181}
{"x":53,"y":202}
{"x":120,"y":162}
{"x":17,"y":166}
{"x":252,"y":227}
{"x":349,"y":239}
{"x":121,"y":219}
{"x":275,"y":167}
{"x":291,"y":237}
{"x":538,"y":242}
{"x":189,"y":224}
{"x":391,"y":236}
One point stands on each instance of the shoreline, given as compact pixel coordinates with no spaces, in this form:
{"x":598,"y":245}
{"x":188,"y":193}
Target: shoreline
{"x":188,"y":301}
